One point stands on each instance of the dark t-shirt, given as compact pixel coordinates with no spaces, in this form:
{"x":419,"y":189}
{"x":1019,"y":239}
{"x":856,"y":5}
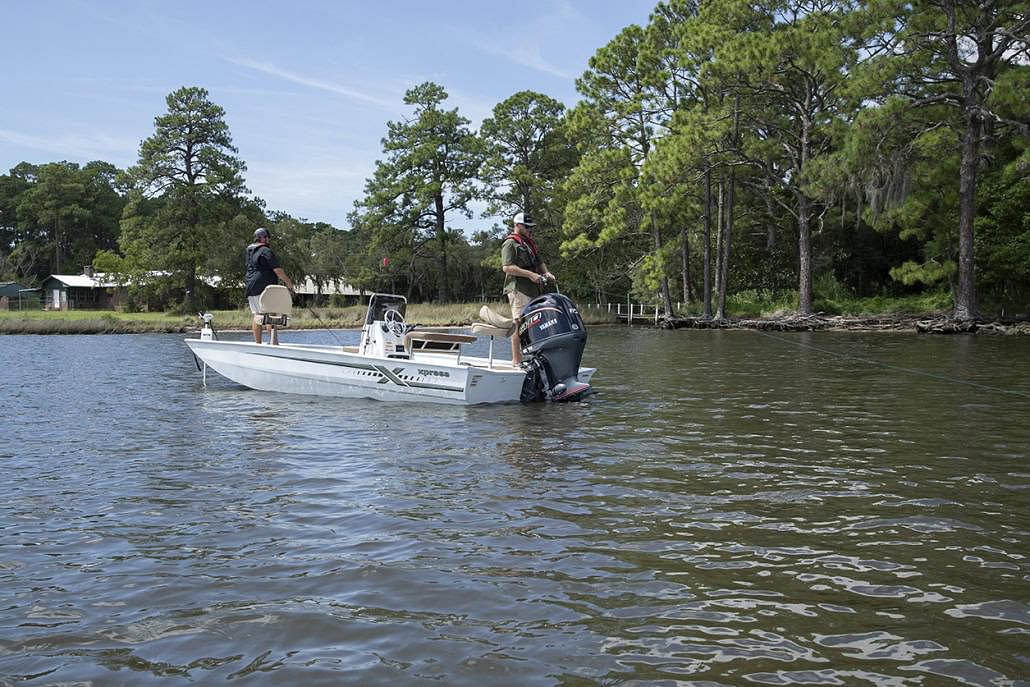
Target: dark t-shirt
{"x":261,"y":264}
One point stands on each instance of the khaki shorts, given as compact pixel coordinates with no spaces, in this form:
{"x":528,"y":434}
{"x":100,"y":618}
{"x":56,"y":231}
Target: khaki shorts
{"x":255,"y":304}
{"x":518,"y":301}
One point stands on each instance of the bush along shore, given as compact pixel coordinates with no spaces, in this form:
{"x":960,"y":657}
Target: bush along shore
{"x":924,"y":324}
{"x":464,"y":314}
{"x":352,"y":317}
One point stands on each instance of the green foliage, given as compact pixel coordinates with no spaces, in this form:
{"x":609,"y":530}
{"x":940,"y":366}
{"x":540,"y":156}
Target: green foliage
{"x":527,"y":156}
{"x":428,"y":175}
{"x":187,"y":190}
{"x":54,"y":217}
{"x":831,"y":134}
{"x":929,"y":273}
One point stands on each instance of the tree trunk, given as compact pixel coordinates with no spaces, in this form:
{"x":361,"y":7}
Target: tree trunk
{"x":804,"y":230}
{"x":190,"y":302}
{"x":411,"y":277}
{"x":805,"y":257}
{"x":727,"y":230}
{"x":57,"y":246}
{"x":965,"y":294}
{"x":727,"y":241}
{"x":685,"y":255}
{"x":707,"y":248}
{"x":664,"y":284}
{"x":441,"y":235}
{"x":718,"y":247}
{"x":770,"y":227}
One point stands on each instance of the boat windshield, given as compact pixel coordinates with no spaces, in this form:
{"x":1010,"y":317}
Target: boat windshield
{"x":380,"y":303}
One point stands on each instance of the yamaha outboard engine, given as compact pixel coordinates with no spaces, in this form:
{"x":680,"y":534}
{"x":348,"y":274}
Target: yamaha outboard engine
{"x":552,"y":337}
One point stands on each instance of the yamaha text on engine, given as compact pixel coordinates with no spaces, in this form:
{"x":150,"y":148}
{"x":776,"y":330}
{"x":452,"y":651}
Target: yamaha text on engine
{"x":552,"y":336}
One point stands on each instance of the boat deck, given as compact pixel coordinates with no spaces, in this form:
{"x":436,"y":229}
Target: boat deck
{"x":433,"y":357}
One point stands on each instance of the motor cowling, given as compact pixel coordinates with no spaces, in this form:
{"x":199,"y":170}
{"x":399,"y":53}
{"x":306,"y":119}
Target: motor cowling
{"x":552,"y":336}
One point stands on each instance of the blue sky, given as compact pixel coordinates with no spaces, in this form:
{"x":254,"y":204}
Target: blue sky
{"x":307,"y":86}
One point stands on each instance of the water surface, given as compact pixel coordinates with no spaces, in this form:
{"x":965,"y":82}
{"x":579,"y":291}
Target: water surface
{"x":731,"y":508}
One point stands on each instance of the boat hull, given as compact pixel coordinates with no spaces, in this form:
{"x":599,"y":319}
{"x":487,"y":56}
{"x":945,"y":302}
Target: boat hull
{"x":333,"y":371}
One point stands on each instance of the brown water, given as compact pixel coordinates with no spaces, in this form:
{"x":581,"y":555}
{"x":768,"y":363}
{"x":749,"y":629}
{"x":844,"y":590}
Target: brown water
{"x":731,"y":508}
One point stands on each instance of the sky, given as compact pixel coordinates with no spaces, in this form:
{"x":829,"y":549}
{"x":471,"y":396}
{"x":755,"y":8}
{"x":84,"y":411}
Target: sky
{"x":307,"y":87}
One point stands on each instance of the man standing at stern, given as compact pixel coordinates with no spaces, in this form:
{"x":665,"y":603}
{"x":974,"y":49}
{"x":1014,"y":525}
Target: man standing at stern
{"x":262,"y":270}
{"x":524,"y":273}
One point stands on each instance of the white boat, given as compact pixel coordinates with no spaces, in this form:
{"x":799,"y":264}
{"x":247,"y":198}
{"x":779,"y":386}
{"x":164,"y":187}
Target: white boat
{"x":393,"y":361}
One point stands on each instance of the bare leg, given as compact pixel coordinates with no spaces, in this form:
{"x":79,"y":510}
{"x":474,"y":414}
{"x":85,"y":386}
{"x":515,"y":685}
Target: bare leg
{"x":516,"y":349}
{"x":257,"y":332}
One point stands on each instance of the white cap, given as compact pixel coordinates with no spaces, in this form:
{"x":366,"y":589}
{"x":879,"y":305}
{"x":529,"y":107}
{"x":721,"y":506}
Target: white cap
{"x":521,"y":218}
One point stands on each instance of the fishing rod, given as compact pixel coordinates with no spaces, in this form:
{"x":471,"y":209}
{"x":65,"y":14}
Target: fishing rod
{"x":326,"y":326}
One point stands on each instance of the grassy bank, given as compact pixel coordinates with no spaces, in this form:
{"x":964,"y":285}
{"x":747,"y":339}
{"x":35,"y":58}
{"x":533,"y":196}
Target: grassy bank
{"x":108,"y":322}
{"x":771,"y":305}
{"x":742,"y":305}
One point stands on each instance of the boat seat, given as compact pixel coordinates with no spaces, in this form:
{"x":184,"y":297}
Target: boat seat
{"x":437,"y":342}
{"x":275,"y":305}
{"x":276,"y":300}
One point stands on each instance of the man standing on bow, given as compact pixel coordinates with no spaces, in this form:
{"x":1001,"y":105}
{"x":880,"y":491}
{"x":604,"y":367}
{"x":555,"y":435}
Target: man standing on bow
{"x":262,"y":270}
{"x":524,"y":273}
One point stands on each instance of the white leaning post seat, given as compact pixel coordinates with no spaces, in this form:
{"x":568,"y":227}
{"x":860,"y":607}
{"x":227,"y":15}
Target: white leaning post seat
{"x":276,"y":306}
{"x":493,"y":324}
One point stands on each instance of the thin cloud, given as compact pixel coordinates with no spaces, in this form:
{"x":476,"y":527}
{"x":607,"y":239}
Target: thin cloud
{"x":93,"y":146}
{"x":273,"y":70}
{"x":527,"y":56}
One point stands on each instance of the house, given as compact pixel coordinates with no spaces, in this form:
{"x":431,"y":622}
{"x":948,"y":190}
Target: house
{"x":98,"y":290}
{"x":307,"y":291}
{"x":13,"y":296}
{"x":86,"y":291}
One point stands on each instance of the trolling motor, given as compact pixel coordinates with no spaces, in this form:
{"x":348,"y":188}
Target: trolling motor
{"x":552,"y":336}
{"x":207,"y":332}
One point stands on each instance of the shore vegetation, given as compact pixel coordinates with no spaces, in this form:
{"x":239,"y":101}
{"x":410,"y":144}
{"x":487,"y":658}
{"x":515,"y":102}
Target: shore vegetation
{"x":725,"y":158}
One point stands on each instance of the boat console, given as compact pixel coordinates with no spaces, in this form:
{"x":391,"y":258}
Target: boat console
{"x":386,"y":334}
{"x":382,"y":335}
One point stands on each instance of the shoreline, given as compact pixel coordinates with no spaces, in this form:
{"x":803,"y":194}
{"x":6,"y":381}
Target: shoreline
{"x":911,"y":324}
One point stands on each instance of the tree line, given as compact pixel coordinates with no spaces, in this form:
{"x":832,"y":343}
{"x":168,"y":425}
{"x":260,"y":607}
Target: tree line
{"x":874,"y":147}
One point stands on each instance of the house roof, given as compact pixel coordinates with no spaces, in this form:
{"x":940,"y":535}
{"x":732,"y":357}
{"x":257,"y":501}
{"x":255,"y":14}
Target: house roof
{"x":98,"y":281}
{"x":10,"y":287}
{"x":102,"y":280}
{"x":331,"y":288}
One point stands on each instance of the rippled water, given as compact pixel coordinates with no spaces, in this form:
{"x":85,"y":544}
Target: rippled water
{"x":731,"y":508}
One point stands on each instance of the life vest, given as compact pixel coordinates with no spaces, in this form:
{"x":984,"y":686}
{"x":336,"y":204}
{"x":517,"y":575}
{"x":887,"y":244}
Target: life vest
{"x":530,"y":245}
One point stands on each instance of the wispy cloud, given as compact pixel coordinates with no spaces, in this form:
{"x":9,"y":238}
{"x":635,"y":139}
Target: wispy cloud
{"x":311,"y":82}
{"x":93,"y":145}
{"x":525,"y":55}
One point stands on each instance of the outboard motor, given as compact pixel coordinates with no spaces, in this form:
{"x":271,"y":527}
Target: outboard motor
{"x":552,"y":336}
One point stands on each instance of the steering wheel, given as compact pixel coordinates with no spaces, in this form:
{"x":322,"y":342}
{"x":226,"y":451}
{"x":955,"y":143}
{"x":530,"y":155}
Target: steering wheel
{"x":394,"y":321}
